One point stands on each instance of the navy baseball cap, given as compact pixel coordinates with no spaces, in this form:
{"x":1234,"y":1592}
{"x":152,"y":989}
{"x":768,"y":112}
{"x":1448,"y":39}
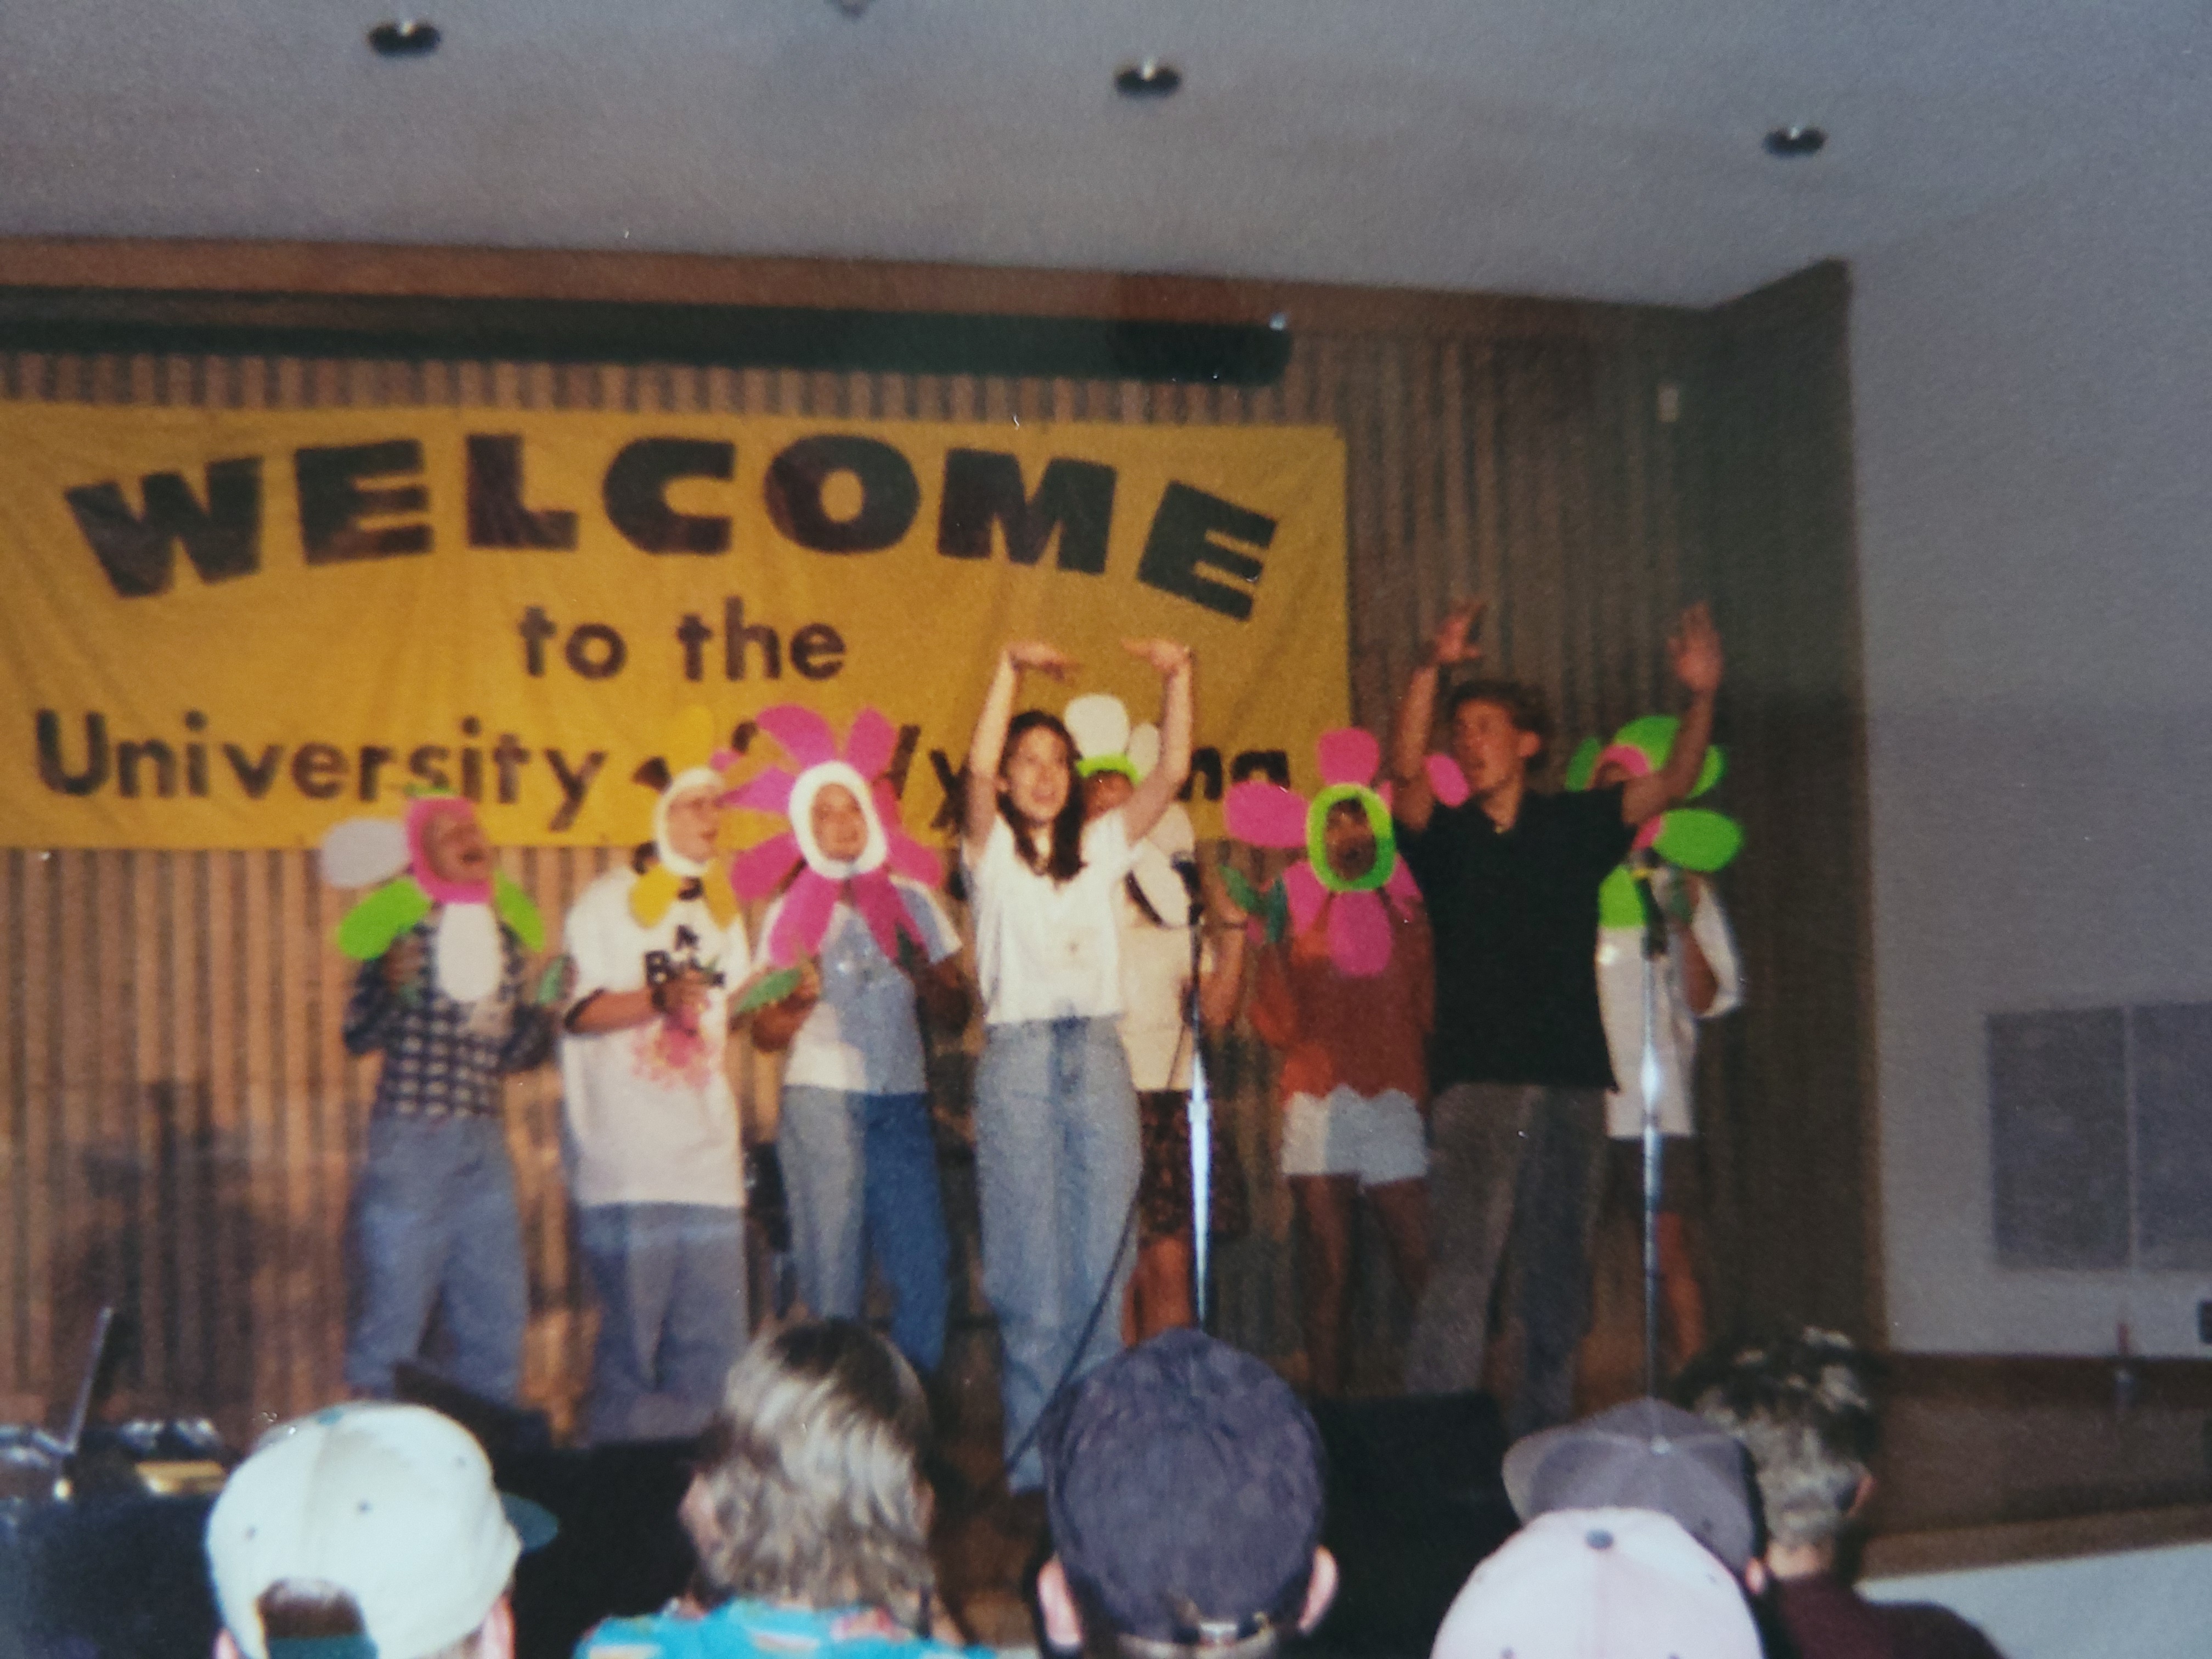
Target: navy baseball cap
{"x":1183,"y":1483}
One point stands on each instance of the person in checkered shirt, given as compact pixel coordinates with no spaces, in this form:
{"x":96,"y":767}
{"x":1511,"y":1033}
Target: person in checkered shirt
{"x":436,"y":1228}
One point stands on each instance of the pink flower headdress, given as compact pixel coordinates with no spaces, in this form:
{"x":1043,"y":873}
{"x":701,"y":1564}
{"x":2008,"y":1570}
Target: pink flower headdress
{"x":865,"y":881}
{"x":1359,"y":908}
{"x":390,"y":857}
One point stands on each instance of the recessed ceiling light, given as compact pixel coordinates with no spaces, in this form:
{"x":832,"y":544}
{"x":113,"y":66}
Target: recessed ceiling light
{"x":1150,"y":78}
{"x":1792,"y":142}
{"x":409,"y":37}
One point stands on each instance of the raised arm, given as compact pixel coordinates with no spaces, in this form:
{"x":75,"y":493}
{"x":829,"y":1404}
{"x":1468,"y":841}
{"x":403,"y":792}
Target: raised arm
{"x":1152,"y":798}
{"x":1221,"y":993}
{"x":1417,"y":713}
{"x":990,"y":739}
{"x":1695,"y":650}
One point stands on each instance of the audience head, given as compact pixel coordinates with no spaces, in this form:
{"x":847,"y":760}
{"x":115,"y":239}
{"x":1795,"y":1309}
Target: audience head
{"x":368,"y":1529}
{"x":1646,"y":1455}
{"x":1183,"y":1485}
{"x":1600,"y":1583}
{"x":1803,"y":1406}
{"x":810,"y":1490}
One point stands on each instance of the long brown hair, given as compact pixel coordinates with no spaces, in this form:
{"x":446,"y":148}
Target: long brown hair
{"x":1066,"y":858}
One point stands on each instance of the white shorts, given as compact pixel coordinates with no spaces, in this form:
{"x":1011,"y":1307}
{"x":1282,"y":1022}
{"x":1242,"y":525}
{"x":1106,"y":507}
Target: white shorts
{"x":1380,"y":1138}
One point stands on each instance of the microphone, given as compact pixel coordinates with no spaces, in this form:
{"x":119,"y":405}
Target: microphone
{"x":1656,"y":941}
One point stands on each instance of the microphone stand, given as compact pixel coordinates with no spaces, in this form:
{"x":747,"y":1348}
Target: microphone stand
{"x":1648,"y":1076}
{"x":1200,"y":1108}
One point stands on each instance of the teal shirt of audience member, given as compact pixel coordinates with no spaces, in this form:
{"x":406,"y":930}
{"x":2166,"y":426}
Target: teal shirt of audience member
{"x":742,"y":1630}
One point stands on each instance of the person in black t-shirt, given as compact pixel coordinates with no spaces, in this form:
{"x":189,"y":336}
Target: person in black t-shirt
{"x":1519,"y":1068}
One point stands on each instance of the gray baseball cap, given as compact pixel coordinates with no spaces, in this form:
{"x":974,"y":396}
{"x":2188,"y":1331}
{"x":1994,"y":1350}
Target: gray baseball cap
{"x":1646,"y":1455}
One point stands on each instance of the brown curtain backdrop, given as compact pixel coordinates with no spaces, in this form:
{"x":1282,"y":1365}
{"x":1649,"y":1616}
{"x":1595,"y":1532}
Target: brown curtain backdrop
{"x":1791,"y":1083}
{"x":179,"y":1122}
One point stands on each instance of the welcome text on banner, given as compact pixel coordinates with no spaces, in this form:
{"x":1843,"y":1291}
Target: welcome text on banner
{"x":233,"y":628}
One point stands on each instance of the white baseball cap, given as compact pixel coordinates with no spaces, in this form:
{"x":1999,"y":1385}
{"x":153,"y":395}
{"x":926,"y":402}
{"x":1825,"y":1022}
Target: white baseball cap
{"x":394,"y":1505}
{"x":1600,"y":1584}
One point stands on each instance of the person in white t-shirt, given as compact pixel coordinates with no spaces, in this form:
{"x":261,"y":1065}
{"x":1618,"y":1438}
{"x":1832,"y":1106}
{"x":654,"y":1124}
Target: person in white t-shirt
{"x":1056,"y":1151}
{"x":1695,"y":977}
{"x":652,"y":1126}
{"x":1157,"y":912}
{"x":859,"y":1160}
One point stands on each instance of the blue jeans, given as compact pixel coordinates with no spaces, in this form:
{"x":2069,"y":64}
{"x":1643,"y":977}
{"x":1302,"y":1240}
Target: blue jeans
{"x":1056,"y":1162}
{"x":861,"y":1169}
{"x":435,"y":1229}
{"x":670,"y":1279}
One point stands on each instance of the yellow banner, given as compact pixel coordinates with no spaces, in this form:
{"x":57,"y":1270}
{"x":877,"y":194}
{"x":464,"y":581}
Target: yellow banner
{"x":235,"y":628}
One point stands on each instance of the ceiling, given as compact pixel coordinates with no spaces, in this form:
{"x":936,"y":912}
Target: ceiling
{"x":1596,"y":148}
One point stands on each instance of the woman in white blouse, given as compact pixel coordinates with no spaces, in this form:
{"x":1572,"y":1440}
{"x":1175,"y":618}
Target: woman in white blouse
{"x":1056,"y":1146}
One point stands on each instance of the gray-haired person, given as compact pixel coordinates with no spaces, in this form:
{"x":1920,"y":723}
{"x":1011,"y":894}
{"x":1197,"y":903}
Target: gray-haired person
{"x":1803,"y":1406}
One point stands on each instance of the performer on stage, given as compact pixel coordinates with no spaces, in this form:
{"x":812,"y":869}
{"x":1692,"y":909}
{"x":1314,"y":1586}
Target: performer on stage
{"x":652,"y":1126}
{"x":1056,"y":1112}
{"x":444,"y":994}
{"x":1345,"y":994}
{"x":1694,"y":977}
{"x":859,"y":1154}
{"x":1520,"y":1067}
{"x":1353,"y":1081}
{"x":1153,"y":913}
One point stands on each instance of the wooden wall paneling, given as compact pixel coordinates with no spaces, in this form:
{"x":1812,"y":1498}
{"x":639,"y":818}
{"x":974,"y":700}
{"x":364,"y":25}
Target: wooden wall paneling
{"x":108,"y":989}
{"x":289,"y":1219}
{"x":1379,"y":597}
{"x":123,"y":1154}
{"x":41,"y":1109}
{"x":192,"y":1262}
{"x":1629,"y":428}
{"x":376,"y":271}
{"x":59,"y":1030}
{"x":152,"y":1072}
{"x":332,"y":1128}
{"x":111,"y":1162}
{"x":72,"y":1105}
{"x":15,"y":1088}
{"x":1774,"y":509}
{"x":250,"y":1175}
{"x":228,"y":1353}
{"x":29,"y":990}
{"x":1597,"y":548}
